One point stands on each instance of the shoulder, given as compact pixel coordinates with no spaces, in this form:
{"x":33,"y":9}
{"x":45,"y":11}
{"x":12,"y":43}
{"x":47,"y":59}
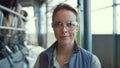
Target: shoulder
{"x":95,"y":62}
{"x":85,"y":52}
{"x":48,"y":52}
{"x":94,"y":59}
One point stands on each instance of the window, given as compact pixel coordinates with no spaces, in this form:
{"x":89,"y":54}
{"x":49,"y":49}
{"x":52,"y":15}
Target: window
{"x":102,"y":17}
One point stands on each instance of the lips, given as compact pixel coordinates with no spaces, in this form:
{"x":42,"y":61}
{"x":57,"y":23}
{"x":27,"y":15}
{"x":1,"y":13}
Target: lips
{"x":64,"y":37}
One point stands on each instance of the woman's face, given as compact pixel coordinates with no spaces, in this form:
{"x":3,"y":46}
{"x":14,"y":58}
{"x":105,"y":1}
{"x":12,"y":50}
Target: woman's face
{"x":64,"y":26}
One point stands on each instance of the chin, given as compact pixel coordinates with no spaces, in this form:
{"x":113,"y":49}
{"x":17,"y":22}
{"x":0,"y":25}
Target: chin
{"x":65,"y":41}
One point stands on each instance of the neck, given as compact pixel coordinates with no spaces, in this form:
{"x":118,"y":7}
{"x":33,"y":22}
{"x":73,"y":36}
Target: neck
{"x":63,"y":53}
{"x":65,"y":49}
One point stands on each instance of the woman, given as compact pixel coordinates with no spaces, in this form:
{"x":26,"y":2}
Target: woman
{"x":65,"y":53}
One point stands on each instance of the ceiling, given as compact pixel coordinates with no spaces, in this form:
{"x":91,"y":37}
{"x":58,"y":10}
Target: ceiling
{"x":31,"y":2}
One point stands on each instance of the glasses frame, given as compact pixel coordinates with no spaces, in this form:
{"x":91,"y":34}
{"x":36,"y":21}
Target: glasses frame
{"x":71,"y":25}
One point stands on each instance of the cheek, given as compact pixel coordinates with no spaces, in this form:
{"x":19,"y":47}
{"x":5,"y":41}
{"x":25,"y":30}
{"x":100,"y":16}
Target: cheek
{"x":56,"y":33}
{"x":73,"y":33}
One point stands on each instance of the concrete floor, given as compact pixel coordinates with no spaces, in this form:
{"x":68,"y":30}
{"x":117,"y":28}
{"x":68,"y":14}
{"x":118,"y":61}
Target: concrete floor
{"x":34,"y":51}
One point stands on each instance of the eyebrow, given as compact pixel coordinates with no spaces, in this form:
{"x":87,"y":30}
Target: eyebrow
{"x":66,"y":21}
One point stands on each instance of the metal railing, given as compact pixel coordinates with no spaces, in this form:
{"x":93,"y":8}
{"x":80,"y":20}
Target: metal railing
{"x":16,"y":14}
{"x":14,"y":27}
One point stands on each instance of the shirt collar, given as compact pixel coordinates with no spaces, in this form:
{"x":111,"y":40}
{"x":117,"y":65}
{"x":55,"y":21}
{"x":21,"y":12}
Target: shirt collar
{"x":55,"y":63}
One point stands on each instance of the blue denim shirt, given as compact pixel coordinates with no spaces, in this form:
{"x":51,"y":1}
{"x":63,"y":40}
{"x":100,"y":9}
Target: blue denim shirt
{"x":79,"y":59}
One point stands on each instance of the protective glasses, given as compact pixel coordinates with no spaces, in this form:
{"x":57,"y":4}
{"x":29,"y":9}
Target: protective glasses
{"x":69,"y":25}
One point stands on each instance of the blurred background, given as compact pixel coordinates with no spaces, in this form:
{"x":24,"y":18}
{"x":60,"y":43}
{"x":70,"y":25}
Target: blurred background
{"x":25,"y":30}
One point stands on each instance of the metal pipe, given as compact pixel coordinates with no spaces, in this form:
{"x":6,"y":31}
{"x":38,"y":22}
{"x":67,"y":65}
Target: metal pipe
{"x":87,"y":26}
{"x":1,"y":17}
{"x":46,"y":33}
{"x":8,"y":54}
{"x":12,"y":28}
{"x":115,"y":45}
{"x":37,"y":14}
{"x":11,"y":11}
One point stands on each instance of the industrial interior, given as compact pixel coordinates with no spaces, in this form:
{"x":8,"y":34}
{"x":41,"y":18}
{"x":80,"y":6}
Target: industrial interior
{"x":25,"y":30}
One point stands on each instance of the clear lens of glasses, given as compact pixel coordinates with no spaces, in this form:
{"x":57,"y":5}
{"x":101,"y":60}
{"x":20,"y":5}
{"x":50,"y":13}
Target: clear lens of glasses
{"x":69,"y":25}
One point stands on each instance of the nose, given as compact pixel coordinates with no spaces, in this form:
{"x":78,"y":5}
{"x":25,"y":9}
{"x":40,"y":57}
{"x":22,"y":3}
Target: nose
{"x":64,"y":28}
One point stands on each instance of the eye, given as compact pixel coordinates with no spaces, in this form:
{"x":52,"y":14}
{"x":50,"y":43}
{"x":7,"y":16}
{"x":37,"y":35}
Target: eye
{"x":71,"y":24}
{"x":57,"y":24}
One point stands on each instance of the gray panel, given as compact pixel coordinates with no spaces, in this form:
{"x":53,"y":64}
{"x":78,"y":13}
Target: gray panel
{"x":103,"y":47}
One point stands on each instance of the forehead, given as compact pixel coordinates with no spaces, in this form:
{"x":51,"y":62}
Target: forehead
{"x":64,"y":15}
